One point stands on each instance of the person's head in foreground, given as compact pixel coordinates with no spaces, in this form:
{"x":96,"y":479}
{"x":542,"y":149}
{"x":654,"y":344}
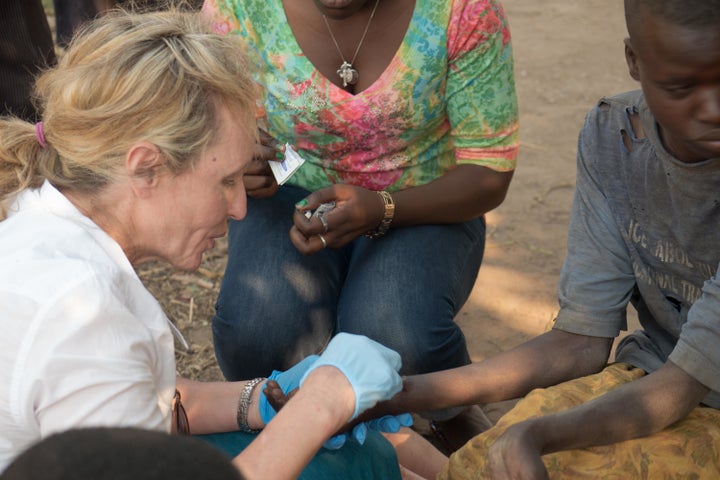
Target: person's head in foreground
{"x":103,"y":453}
{"x":147,"y":125}
{"x":674,"y":52}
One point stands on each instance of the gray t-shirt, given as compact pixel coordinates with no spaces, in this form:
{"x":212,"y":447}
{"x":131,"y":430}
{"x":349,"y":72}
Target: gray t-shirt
{"x":644,"y":229}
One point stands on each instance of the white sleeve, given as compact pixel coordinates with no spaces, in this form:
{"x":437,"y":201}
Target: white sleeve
{"x":92,"y":362}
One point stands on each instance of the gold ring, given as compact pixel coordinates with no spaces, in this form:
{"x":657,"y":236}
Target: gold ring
{"x":325,"y":225}
{"x":322,"y":239}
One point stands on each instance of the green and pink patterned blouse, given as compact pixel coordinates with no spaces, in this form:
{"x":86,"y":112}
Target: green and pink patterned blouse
{"x":447,"y":97}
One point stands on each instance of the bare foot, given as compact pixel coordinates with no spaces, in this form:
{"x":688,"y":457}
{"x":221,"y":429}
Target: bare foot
{"x":449,"y":435}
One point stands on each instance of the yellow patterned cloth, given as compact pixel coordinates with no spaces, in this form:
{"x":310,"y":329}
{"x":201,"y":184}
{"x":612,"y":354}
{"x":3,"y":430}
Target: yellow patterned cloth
{"x":689,"y":449}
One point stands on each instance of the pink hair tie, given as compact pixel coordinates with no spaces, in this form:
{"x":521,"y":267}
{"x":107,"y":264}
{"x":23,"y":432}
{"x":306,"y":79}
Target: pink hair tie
{"x":40,"y":134}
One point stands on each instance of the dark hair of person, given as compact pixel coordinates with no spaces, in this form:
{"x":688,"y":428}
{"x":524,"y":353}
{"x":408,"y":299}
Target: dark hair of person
{"x":685,"y":13}
{"x":105,"y":453}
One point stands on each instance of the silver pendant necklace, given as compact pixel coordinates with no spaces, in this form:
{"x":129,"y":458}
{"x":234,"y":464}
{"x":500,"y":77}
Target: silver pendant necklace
{"x":347,"y":73}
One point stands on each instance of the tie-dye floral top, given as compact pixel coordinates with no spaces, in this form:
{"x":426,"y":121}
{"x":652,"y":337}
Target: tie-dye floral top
{"x":447,"y":97}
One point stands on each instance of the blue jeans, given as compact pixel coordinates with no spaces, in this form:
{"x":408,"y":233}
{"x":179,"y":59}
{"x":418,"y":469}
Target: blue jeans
{"x":277,"y":306}
{"x":375,"y":459}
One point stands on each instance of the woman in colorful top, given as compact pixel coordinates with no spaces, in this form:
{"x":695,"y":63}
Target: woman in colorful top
{"x":413,"y":98}
{"x":147,"y":129}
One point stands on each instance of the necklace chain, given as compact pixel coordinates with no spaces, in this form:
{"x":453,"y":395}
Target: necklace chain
{"x":347,"y":72}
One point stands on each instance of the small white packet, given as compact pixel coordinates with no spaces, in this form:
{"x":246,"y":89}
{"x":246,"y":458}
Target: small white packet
{"x":321,"y":210}
{"x":284,"y":170}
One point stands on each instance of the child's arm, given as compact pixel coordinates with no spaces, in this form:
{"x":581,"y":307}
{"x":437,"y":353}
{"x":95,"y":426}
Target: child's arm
{"x":548,"y":359}
{"x":636,"y":409}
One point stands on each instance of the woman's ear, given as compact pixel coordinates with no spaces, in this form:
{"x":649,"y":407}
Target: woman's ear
{"x":142,"y":163}
{"x":631,"y":59}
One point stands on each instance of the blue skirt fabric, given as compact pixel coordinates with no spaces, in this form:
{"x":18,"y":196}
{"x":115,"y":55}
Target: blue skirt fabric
{"x":375,"y":459}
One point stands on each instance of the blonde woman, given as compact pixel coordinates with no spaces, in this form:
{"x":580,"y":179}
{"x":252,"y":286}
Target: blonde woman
{"x":147,"y":129}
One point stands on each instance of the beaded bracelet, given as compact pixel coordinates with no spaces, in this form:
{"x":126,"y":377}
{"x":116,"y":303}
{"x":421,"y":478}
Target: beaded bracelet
{"x":244,"y":405}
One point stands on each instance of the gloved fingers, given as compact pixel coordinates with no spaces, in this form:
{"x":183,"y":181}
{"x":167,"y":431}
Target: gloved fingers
{"x":387,"y":423}
{"x":405,"y":419}
{"x":391,"y":423}
{"x":335,"y":442}
{"x":286,"y":382}
{"x":359,"y":432}
{"x":370,"y":368}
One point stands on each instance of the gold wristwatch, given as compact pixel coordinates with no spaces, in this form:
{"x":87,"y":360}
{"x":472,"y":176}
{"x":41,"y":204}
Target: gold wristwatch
{"x":387,"y":218}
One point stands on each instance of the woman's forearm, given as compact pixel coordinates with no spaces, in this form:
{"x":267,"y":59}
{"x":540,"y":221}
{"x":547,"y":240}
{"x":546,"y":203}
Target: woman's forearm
{"x":318,"y":410}
{"x":462,"y":194}
{"x":212,"y":406}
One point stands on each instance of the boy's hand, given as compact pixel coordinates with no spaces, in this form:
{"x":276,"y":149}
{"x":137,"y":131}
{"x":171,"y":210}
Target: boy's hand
{"x":514,"y":456}
{"x":275,"y":395}
{"x":279,"y":384}
{"x":371,"y":368}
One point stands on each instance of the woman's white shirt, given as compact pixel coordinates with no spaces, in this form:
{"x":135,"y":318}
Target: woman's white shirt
{"x":83,"y":342}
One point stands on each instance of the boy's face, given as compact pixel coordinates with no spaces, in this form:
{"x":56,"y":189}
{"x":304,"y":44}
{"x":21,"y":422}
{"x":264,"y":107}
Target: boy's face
{"x":679,"y":71}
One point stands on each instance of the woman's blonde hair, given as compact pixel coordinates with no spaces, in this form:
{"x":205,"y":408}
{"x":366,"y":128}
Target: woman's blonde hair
{"x":127,"y":77}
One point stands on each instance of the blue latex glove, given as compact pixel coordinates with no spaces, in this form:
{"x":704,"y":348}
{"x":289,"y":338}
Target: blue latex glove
{"x":288,"y":380}
{"x":388,"y":424}
{"x":371,"y":368}
{"x":358,"y":433}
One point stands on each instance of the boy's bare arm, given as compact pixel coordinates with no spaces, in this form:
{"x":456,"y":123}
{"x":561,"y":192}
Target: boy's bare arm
{"x":635,"y":410}
{"x":548,"y":359}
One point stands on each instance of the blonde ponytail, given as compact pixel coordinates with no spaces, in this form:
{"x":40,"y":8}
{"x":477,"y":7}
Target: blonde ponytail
{"x":127,"y":77}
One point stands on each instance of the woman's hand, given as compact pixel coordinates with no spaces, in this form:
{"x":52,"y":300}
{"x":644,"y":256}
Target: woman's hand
{"x":258,"y":179}
{"x":357,"y":211}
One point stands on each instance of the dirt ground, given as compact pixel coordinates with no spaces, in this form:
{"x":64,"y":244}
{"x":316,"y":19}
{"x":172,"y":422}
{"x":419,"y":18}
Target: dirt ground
{"x":567,"y":55}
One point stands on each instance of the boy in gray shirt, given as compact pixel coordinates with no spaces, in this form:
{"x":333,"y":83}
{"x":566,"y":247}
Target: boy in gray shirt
{"x":644,"y":230}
